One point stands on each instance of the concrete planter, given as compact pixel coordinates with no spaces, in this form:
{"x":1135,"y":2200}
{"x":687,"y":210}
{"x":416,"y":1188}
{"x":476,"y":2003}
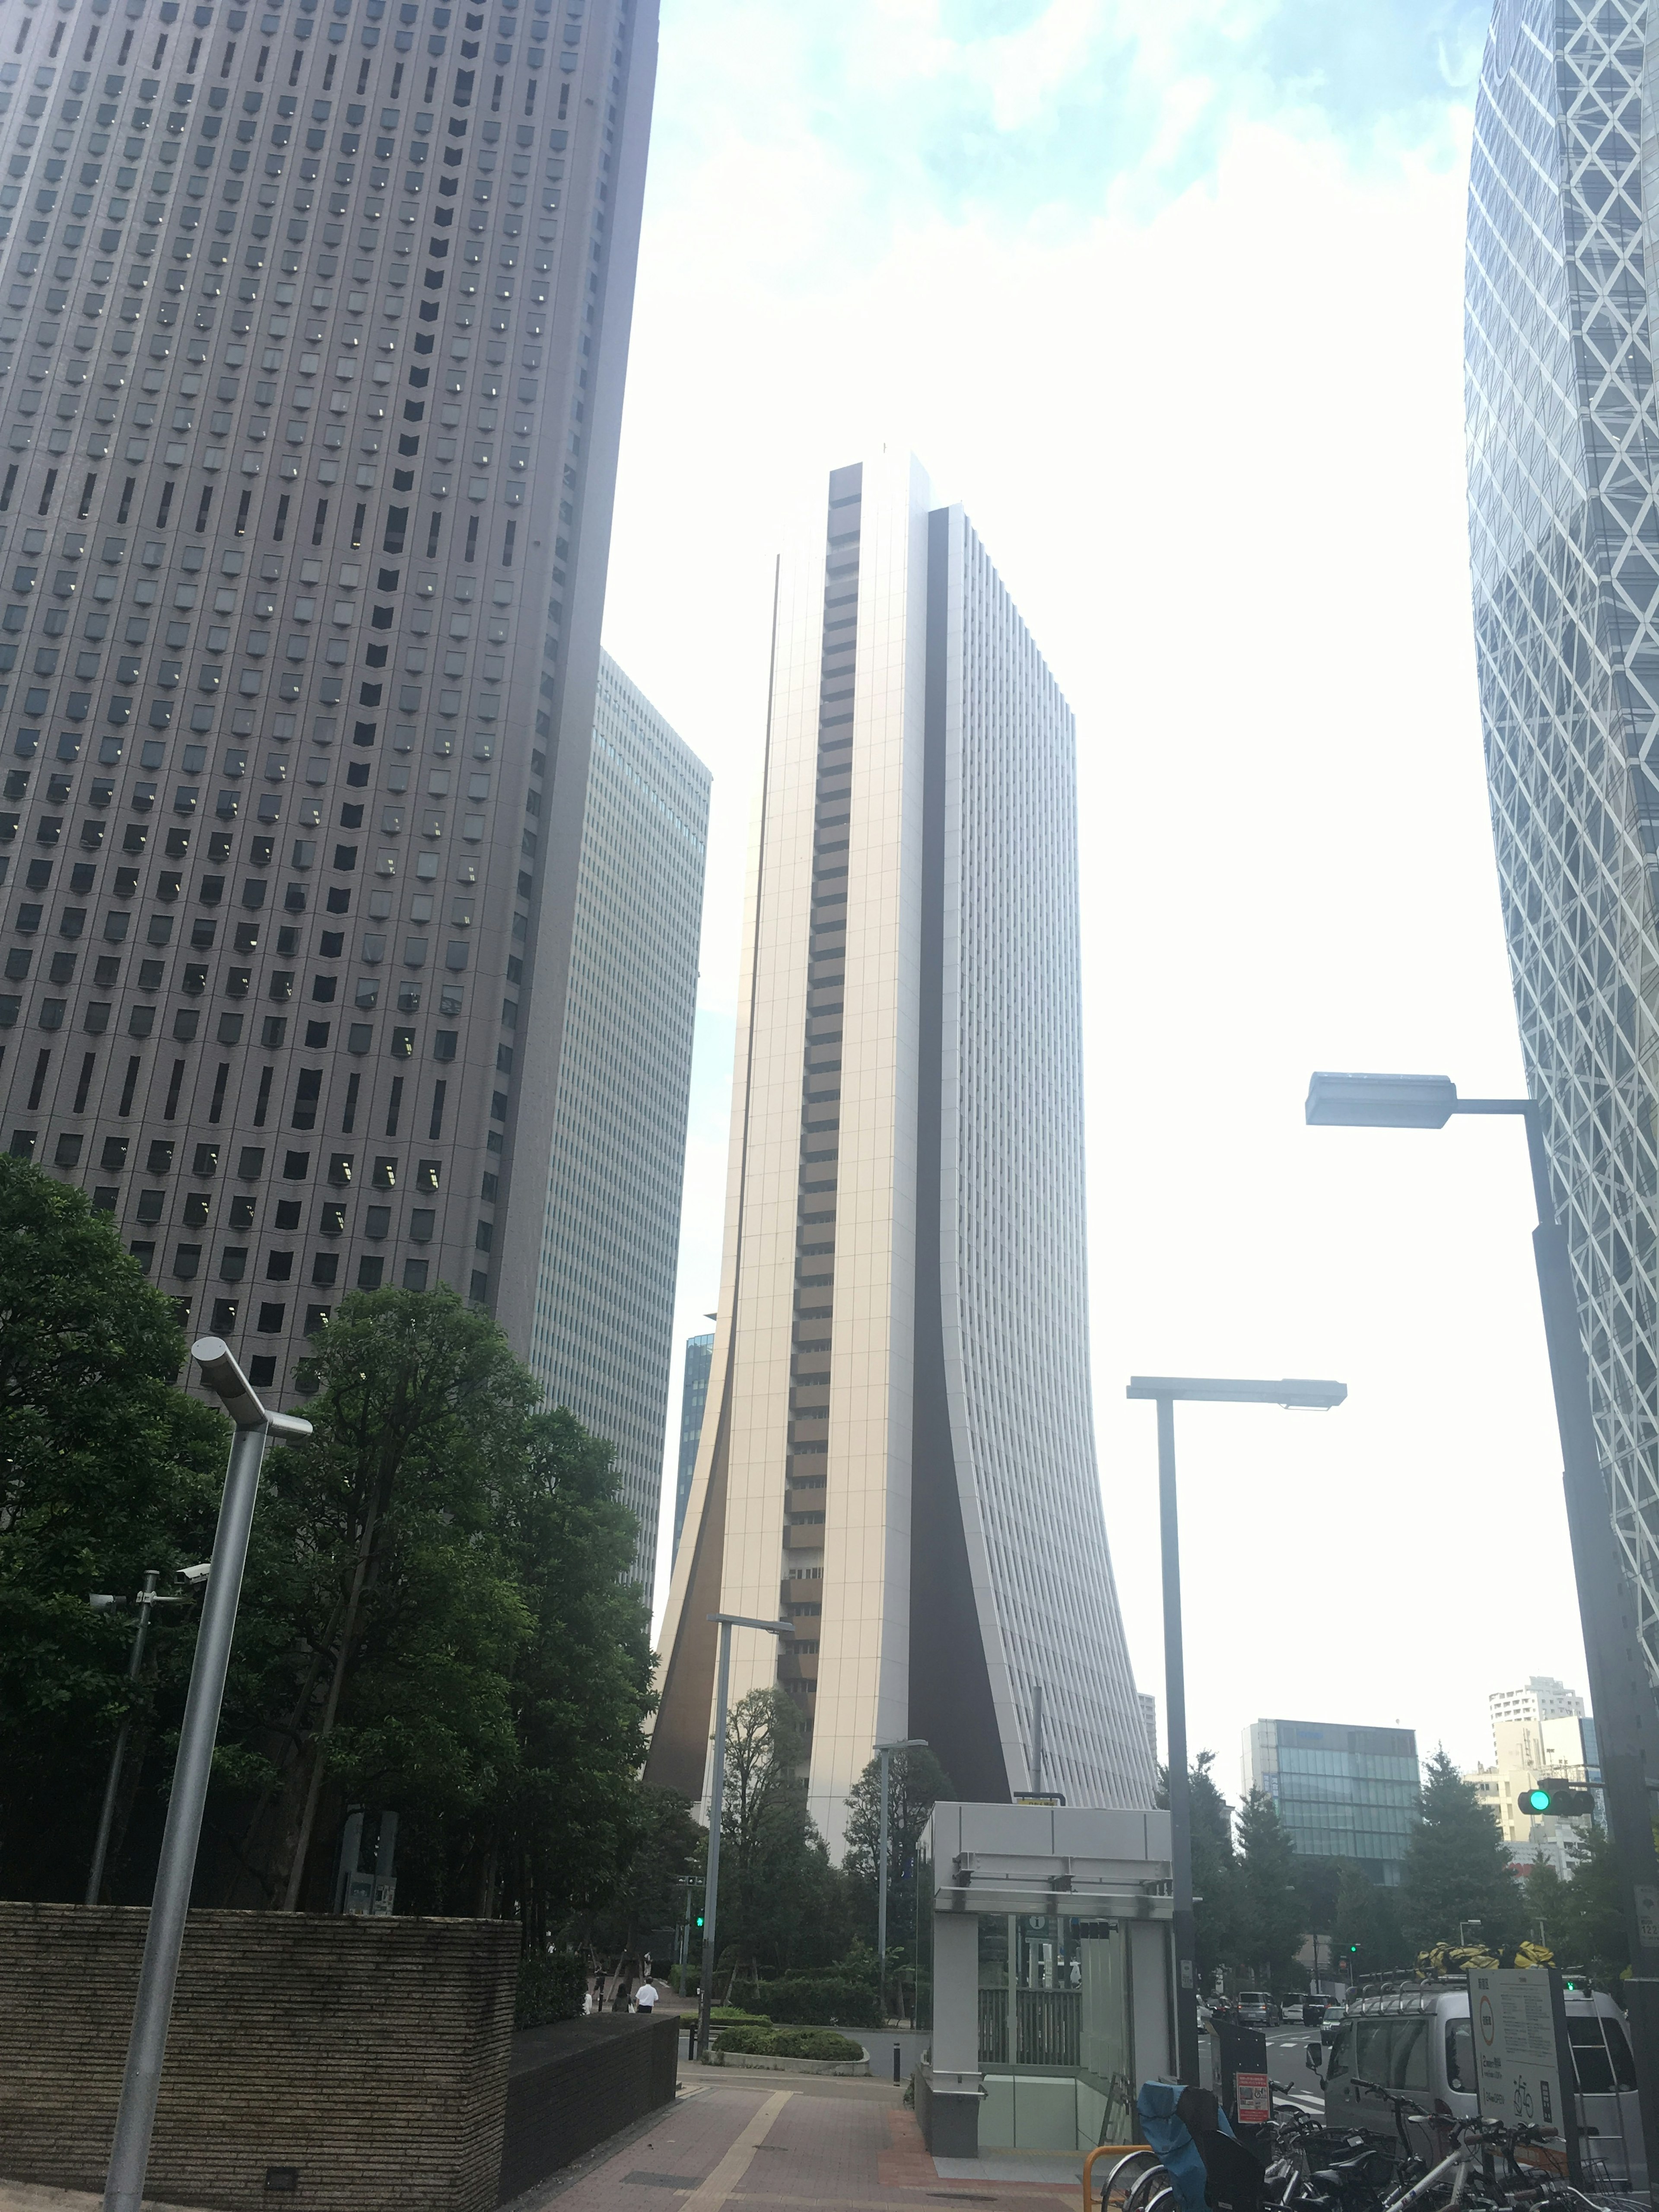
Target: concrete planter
{"x":763,"y":2065}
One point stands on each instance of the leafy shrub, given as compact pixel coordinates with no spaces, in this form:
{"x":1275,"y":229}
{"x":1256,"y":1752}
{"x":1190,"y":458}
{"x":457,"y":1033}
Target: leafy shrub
{"x":822,"y":2000}
{"x":549,"y":1988}
{"x":735,"y":2016}
{"x":788,"y":2043}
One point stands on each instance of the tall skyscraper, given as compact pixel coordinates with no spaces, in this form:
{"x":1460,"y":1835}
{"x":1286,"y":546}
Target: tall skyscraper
{"x":311,"y":347}
{"x":898,"y":1447}
{"x":1341,"y":1792}
{"x":693,"y":1396}
{"x":1562,"y":287}
{"x":603,"y":1336}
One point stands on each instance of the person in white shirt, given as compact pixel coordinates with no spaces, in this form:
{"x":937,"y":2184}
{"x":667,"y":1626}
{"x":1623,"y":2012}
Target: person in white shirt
{"x":644,"y":1997}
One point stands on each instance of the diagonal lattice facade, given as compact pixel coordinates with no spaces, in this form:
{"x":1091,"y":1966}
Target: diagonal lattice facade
{"x":1562,"y":282}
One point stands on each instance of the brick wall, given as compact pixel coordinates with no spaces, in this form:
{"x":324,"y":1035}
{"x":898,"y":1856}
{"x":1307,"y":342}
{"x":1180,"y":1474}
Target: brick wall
{"x":370,"y":2055}
{"x":576,"y":2081}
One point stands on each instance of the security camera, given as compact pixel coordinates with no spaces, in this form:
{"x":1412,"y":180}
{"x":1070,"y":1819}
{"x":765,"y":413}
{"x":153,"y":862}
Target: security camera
{"x":198,"y":1575}
{"x":103,"y":1601}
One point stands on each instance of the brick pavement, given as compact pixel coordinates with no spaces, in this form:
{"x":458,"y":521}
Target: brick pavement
{"x":762,"y":2148}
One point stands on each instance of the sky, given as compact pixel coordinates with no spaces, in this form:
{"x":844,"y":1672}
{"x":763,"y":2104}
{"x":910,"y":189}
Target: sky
{"x":1167,"y":292}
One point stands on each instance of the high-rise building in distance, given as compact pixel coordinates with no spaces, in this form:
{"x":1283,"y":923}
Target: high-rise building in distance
{"x":1149,"y":1718}
{"x":1341,"y":1792}
{"x":1562,"y":285}
{"x":693,"y":1396}
{"x":898,"y":1445}
{"x":602,"y":1340}
{"x":312,"y":333}
{"x":1539,"y":1699}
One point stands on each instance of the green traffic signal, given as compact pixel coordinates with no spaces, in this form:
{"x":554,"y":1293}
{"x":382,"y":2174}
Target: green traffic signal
{"x":1560,"y":1799}
{"x":700,"y":1920}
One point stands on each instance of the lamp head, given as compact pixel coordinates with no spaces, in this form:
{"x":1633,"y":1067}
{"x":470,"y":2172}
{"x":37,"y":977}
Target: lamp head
{"x":1380,"y":1102}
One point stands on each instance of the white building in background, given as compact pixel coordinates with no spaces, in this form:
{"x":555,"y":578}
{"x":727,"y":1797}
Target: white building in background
{"x":1527,"y":1752}
{"x":1149,"y":1718}
{"x":602,"y":1336}
{"x":898,"y":1446}
{"x":1541,"y":1698}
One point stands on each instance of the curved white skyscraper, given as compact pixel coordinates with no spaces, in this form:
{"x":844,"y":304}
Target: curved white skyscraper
{"x":898,"y":1447}
{"x":1562,"y":289}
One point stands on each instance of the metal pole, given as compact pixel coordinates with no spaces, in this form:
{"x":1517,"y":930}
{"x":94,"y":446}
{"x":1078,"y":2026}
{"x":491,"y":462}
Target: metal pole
{"x":135,"y":2117}
{"x":712,"y":1882}
{"x":111,"y":1788}
{"x":881,"y":1893}
{"x":1621,"y":1696}
{"x":1181,"y":1815}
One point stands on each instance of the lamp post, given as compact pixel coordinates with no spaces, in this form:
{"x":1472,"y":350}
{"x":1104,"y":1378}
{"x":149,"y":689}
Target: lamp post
{"x":1163,"y":1390}
{"x":135,"y":2117}
{"x":1622,"y":1694}
{"x":727,"y":1621}
{"x":885,"y":1750}
{"x":147,"y":1598}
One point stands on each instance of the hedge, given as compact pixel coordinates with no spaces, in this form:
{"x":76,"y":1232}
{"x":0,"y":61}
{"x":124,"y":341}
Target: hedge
{"x":825,"y":2000}
{"x":549,"y":1988}
{"x":788,"y":2043}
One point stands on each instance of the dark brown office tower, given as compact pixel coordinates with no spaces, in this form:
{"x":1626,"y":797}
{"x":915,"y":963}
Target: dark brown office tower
{"x":313,"y":324}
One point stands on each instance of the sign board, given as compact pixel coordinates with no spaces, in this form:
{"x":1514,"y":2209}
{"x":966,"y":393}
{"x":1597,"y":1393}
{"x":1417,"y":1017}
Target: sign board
{"x":1647,"y":1910}
{"x":1255,"y":2103}
{"x":1522,"y":2067}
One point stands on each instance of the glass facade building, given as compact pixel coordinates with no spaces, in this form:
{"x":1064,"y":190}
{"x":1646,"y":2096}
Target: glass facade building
{"x":693,"y":1396}
{"x":1562,"y":286}
{"x":602,"y":1338}
{"x":1345,"y":1793}
{"x":313,"y":325}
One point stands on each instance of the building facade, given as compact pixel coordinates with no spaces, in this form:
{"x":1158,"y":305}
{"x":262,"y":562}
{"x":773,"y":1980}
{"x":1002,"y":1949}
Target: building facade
{"x":1149,"y":1719}
{"x":602,"y":1338}
{"x":693,"y":1396}
{"x":898,"y":1449}
{"x":1563,"y":438}
{"x":1342,"y":1792}
{"x":1525,"y":1753}
{"x":312,"y":331}
{"x":1539,"y":1699}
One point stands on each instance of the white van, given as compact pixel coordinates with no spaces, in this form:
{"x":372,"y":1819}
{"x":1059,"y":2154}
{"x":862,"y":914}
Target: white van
{"x":1415,"y":2039}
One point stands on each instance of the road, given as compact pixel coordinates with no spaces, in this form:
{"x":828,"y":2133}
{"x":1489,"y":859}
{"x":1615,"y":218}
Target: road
{"x":1287,"y":2061}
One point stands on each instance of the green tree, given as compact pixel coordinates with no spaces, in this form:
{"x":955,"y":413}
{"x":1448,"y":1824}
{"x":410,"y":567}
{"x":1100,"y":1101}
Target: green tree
{"x":106,"y":1470}
{"x":1592,"y":1933}
{"x":1366,"y":1932}
{"x":1546,"y":1894}
{"x":1457,"y":1867}
{"x":915,"y":1783}
{"x":435,"y":1624}
{"x":650,"y":1898}
{"x":1269,"y":1894}
{"x":779,"y":1901}
{"x":1215,"y":1909}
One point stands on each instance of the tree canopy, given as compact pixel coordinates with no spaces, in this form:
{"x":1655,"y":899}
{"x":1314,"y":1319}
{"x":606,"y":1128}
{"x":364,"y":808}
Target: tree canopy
{"x":1457,"y":1867}
{"x":106,"y":1470}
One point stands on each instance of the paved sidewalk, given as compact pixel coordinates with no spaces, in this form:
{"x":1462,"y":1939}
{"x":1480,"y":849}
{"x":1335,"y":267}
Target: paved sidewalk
{"x":757,"y":2148}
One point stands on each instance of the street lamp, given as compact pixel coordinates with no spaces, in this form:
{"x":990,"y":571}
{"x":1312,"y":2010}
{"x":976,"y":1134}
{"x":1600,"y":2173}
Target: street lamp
{"x":1621,"y":1692}
{"x":135,"y":2117}
{"x":727,"y":1621}
{"x":100,"y":1601}
{"x":1164,"y":1390}
{"x":885,"y":1752}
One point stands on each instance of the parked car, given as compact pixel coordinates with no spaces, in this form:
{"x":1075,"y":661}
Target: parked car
{"x":1329,"y":2020}
{"x":1256,"y":2008}
{"x":1418,"y":2040}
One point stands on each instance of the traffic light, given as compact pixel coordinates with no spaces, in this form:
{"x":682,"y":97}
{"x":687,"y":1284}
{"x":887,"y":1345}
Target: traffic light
{"x":1560,"y":1800}
{"x":700,"y":1920}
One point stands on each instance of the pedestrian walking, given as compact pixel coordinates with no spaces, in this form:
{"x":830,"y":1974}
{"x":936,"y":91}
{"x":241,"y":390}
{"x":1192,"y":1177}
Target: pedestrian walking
{"x":646,"y":1998}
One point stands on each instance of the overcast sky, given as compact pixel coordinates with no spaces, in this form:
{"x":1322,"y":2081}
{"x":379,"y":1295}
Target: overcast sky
{"x":1167,"y":292}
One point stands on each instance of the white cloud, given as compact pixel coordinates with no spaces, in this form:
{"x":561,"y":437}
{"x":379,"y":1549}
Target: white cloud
{"x":1213,"y":441}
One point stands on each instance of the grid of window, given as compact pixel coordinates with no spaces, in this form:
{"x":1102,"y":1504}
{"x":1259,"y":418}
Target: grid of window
{"x":1562,"y":436}
{"x":1014,"y":1272}
{"x":603,"y":1330}
{"x":294,"y":314}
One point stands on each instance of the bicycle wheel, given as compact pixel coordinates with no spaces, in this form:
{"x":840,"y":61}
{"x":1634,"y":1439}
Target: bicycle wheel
{"x":1150,"y":2184}
{"x":1124,"y":2174}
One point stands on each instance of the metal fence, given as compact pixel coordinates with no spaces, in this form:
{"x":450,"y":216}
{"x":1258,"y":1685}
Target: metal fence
{"x":1048,"y":2026}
